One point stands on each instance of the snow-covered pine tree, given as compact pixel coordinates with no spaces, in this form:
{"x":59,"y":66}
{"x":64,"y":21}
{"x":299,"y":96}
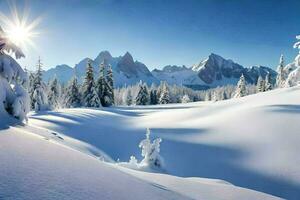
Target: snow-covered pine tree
{"x":142,"y":97}
{"x":223,"y":95}
{"x":185,"y":99}
{"x":109,"y":93}
{"x":54,"y":94}
{"x":215,"y":95}
{"x":128,"y":97}
{"x":30,"y":89}
{"x":268,"y":83}
{"x":14,"y":98}
{"x":297,"y":46}
{"x":90,"y":96}
{"x":39,"y":99}
{"x":101,"y":82}
{"x":164,"y":94}
{"x":150,"y":152}
{"x":280,"y":79}
{"x":207,"y":95}
{"x":153,"y":95}
{"x":72,"y":96}
{"x":260,"y":85}
{"x":241,"y":88}
{"x":294,"y":77}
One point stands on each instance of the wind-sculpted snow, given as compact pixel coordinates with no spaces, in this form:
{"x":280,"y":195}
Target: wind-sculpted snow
{"x":251,"y":142}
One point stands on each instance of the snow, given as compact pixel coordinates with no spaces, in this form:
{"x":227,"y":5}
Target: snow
{"x":13,"y":96}
{"x":251,"y":142}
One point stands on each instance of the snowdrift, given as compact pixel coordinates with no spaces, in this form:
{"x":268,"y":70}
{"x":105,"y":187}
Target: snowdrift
{"x":251,"y":142}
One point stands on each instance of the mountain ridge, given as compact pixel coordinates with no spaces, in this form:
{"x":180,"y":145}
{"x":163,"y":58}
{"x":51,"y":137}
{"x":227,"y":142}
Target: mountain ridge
{"x":211,"y":72}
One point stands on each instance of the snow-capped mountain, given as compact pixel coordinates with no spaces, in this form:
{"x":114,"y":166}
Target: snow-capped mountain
{"x":62,"y":72}
{"x":126,"y":70}
{"x":211,"y":72}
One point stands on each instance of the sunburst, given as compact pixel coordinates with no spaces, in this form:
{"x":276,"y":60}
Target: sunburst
{"x":18,"y":28}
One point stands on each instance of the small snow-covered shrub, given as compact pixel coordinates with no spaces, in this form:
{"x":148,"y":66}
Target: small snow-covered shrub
{"x":151,"y":157}
{"x":150,"y":151}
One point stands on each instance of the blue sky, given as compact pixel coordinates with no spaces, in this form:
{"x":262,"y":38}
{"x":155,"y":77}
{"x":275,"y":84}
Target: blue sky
{"x":164,"y":32}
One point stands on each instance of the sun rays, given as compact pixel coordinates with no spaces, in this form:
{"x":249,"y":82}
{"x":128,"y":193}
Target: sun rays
{"x":19,"y":28}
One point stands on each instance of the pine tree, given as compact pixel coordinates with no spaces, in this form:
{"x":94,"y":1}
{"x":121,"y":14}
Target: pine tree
{"x":109,"y":94}
{"x":241,"y":88}
{"x":268,"y":83}
{"x":128,"y":97}
{"x":101,"y":83}
{"x":31,"y":89}
{"x":280,"y":79}
{"x":185,"y":99}
{"x":223,"y":95}
{"x":39,"y":99}
{"x":142,"y":97}
{"x":208,"y":96}
{"x":54,"y":94}
{"x":72,"y":96}
{"x":215,"y":96}
{"x":89,"y":94}
{"x":153,"y":95}
{"x":164,"y":95}
{"x":260,"y":86}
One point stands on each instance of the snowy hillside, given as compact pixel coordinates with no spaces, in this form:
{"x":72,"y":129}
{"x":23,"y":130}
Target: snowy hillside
{"x":251,"y":142}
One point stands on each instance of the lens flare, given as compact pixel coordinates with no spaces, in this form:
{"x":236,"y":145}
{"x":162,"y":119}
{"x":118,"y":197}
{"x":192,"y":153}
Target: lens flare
{"x":18,"y":28}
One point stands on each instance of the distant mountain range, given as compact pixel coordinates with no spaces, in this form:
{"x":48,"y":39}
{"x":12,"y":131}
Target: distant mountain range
{"x":211,"y":72}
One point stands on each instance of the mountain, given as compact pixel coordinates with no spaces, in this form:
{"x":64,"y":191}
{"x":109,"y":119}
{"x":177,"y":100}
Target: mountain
{"x":211,"y":72}
{"x":62,"y":72}
{"x":125,"y":69}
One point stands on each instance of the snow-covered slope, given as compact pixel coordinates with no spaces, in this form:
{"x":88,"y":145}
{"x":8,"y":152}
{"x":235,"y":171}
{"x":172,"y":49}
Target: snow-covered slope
{"x":251,"y":142}
{"x":37,"y":163}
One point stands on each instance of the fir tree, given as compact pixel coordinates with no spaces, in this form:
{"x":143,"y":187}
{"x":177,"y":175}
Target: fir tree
{"x":223,"y":95}
{"x":128,"y":98}
{"x":54,"y":94}
{"x":185,"y":99}
{"x":280,"y":79}
{"x":72,"y":96}
{"x":260,"y":86}
{"x":153,"y":95}
{"x":241,"y":88}
{"x":142,"y":97}
{"x":39,"y":99}
{"x":268,"y":83}
{"x":208,"y":96}
{"x":89,"y":94}
{"x":101,"y":82}
{"x":109,"y":93}
{"x":164,"y":95}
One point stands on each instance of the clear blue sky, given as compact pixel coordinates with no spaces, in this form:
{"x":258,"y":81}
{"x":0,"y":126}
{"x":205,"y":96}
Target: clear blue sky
{"x":157,"y":33}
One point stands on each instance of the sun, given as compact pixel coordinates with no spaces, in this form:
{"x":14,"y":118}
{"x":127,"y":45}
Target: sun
{"x":19,"y":35}
{"x":19,"y":29}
